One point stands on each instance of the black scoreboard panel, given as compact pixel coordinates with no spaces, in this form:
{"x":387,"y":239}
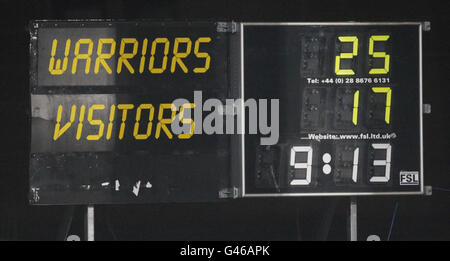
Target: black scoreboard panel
{"x":102,"y":97}
{"x":350,"y":108}
{"x":101,"y":92}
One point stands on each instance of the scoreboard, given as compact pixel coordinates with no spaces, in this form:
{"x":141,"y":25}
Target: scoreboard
{"x":350,"y":108}
{"x":102,"y":106}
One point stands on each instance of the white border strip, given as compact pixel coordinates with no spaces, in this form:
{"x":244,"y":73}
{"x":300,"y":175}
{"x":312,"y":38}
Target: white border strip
{"x":242,"y":111}
{"x":421,"y":109}
{"x":329,"y":23}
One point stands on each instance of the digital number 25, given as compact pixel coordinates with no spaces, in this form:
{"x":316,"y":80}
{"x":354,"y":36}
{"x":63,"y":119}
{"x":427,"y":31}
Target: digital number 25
{"x":354,"y":40}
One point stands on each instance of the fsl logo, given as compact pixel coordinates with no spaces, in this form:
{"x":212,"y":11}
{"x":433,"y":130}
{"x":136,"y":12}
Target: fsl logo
{"x":409,"y":178}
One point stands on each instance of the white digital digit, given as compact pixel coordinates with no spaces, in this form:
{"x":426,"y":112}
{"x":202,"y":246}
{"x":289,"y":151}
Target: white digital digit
{"x":305,"y":165}
{"x":355,"y":165}
{"x":386,"y":163}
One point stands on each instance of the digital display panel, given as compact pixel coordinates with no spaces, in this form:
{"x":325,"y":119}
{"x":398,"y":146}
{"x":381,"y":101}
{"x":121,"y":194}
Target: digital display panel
{"x":102,"y":97}
{"x":350,"y":108}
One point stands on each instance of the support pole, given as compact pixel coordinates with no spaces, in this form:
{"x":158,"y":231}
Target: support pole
{"x":89,"y":223}
{"x":352,"y":220}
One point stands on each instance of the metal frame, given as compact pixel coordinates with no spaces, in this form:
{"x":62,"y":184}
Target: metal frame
{"x":420,"y":28}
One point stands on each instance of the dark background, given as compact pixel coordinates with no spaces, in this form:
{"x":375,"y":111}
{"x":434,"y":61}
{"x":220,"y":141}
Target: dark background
{"x":416,"y":218}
